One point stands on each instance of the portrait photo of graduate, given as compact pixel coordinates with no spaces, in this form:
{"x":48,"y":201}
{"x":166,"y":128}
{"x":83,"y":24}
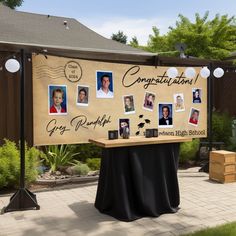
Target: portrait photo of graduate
{"x":179,"y":102}
{"x":128,"y":102}
{"x":197,"y":94}
{"x":149,"y":99}
{"x":194,"y":116}
{"x":165,"y":111}
{"x":82,"y":95}
{"x":124,"y":124}
{"x":57,"y":99}
{"x":104,"y":84}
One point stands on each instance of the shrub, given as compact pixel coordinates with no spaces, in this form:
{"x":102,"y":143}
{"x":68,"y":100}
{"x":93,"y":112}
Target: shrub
{"x":4,"y":172}
{"x":93,"y":163}
{"x":232,"y":146}
{"x":87,"y":150}
{"x":32,"y":157}
{"x":188,"y":150}
{"x":58,"y":155}
{"x":221,"y":127}
{"x":10,"y":158}
{"x":80,"y":168}
{"x":10,"y":164}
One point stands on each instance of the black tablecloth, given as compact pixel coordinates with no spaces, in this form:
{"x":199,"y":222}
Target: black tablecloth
{"x":138,"y":181}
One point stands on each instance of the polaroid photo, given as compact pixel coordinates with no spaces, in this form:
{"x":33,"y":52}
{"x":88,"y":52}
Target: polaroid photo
{"x":194,"y":116}
{"x":128,"y":104}
{"x":197,"y":95}
{"x":123,"y":123}
{"x":179,"y":102}
{"x":82,"y":98}
{"x":149,"y":101}
{"x":165,"y":111}
{"x":104,"y":84}
{"x":57,"y":99}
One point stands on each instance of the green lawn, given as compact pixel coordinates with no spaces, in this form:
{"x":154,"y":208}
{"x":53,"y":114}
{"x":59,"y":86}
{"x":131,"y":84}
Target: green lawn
{"x":223,"y":230}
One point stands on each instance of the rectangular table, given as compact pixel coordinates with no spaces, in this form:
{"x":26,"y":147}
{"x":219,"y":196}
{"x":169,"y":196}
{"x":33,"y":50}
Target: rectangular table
{"x":138,"y":177}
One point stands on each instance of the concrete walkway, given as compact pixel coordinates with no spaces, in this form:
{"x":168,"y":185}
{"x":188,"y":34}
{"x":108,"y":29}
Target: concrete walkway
{"x":70,"y":211}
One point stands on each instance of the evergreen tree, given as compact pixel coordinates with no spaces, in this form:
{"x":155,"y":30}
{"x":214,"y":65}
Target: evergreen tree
{"x":119,"y":37}
{"x":134,"y":42}
{"x":12,"y":3}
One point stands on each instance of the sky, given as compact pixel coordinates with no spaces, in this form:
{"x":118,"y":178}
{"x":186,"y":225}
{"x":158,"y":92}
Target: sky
{"x":133,"y":17}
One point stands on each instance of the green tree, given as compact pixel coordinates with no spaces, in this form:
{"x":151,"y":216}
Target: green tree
{"x":119,"y":37}
{"x":158,"y":43}
{"x":212,"y":39}
{"x":12,"y":3}
{"x":134,"y":42}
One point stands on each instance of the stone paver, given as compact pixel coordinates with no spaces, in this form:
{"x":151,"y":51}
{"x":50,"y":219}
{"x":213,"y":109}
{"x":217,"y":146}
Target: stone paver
{"x":71,"y":211}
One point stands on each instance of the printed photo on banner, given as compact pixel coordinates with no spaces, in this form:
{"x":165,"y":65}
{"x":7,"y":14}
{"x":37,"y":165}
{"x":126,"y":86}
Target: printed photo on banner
{"x":165,"y":111}
{"x":104,"y":84}
{"x":57,"y":99}
{"x":194,"y":116}
{"x":197,"y":95}
{"x":128,"y":102}
{"x":82,"y":95}
{"x":179,"y":102}
{"x":124,"y":124}
{"x":149,"y":99}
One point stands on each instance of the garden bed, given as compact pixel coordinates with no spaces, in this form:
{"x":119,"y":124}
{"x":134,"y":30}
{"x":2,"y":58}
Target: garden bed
{"x":58,"y":178}
{"x":47,"y":182}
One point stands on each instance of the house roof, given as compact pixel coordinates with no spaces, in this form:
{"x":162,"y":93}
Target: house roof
{"x":56,"y":33}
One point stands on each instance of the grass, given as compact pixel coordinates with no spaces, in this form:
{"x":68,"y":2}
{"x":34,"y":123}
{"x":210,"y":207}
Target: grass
{"x":223,"y":230}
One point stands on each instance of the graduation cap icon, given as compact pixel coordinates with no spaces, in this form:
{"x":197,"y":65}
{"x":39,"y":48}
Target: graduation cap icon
{"x":141,"y":125}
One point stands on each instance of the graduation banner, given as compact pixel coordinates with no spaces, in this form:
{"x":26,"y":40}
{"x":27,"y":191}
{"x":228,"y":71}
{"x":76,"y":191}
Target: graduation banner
{"x":75,"y":99}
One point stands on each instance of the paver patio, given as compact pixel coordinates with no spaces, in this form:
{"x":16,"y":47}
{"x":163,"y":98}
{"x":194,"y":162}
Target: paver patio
{"x":70,"y":211}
